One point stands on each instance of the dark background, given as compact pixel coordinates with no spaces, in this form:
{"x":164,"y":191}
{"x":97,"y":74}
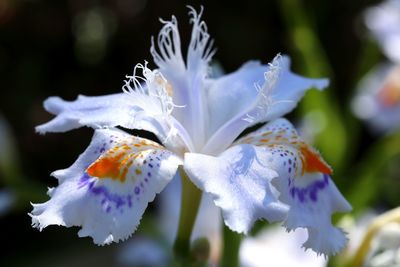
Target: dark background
{"x":53,"y":48}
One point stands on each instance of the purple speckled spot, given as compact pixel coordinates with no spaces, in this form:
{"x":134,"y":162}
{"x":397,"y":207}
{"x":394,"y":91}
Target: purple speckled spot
{"x":290,"y":162}
{"x":98,"y":190}
{"x":290,"y":170}
{"x":108,"y":209}
{"x":149,"y":174}
{"x":293,"y":191}
{"x":146,"y":180}
{"x":129,"y":201}
{"x":150,"y":165}
{"x":137,"y":190}
{"x":119,"y":201}
{"x":313,"y":194}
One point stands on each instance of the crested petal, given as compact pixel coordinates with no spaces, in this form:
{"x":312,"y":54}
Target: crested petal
{"x":96,"y":112}
{"x":108,"y":188}
{"x":278,"y":95}
{"x":304,"y":184}
{"x":187,"y":80}
{"x":145,"y":104}
{"x":239,"y":183}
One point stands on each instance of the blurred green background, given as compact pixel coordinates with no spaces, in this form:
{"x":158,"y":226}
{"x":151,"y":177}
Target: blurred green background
{"x":73,"y":47}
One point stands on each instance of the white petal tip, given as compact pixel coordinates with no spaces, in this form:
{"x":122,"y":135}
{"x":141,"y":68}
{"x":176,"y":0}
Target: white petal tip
{"x":326,"y":244}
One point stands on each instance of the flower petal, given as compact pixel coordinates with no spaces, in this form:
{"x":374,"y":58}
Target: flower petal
{"x":239,"y":184}
{"x":107,"y":189}
{"x":304,"y":184}
{"x":187,"y":80}
{"x":96,"y":112}
{"x":145,"y":105}
{"x":280,"y":93}
{"x":233,"y":93}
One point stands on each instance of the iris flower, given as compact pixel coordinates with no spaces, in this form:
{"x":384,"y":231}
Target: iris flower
{"x":269,"y":174}
{"x":377,"y":100}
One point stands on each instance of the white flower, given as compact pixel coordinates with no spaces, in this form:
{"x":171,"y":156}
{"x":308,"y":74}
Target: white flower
{"x":272,"y":246}
{"x":383,"y":20}
{"x":378,"y":98}
{"x":269,"y":174}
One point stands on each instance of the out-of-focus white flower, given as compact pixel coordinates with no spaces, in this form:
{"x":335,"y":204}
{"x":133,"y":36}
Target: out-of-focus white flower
{"x":378,"y":98}
{"x":272,"y":247}
{"x":7,"y":199}
{"x":383,"y":21}
{"x":7,"y":145}
{"x":374,"y":239}
{"x":385,"y":248}
{"x":144,"y":252}
{"x":7,"y":159}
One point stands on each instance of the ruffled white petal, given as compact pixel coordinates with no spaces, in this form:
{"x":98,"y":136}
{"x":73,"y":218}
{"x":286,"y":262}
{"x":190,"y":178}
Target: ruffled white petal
{"x":304,"y":184}
{"x":108,"y":188}
{"x":278,"y":95}
{"x":239,"y":183}
{"x":96,"y":112}
{"x":146,"y":104}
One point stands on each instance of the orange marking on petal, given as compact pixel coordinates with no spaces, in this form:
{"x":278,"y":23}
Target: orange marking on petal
{"x":312,"y":161}
{"x":108,"y":167}
{"x":138,"y":171}
{"x":389,"y":95}
{"x":264,"y":140}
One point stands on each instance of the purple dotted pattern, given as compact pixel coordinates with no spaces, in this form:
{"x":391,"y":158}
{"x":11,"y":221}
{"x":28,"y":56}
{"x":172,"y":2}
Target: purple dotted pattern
{"x":310,"y":192}
{"x":117,"y":202}
{"x":290,"y":161}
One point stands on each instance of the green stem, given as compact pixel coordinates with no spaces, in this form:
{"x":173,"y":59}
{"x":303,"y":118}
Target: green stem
{"x":230,"y":256}
{"x":190,"y":202}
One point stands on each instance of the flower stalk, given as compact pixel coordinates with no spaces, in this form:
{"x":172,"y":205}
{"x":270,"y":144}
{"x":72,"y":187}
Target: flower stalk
{"x":190,"y":203}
